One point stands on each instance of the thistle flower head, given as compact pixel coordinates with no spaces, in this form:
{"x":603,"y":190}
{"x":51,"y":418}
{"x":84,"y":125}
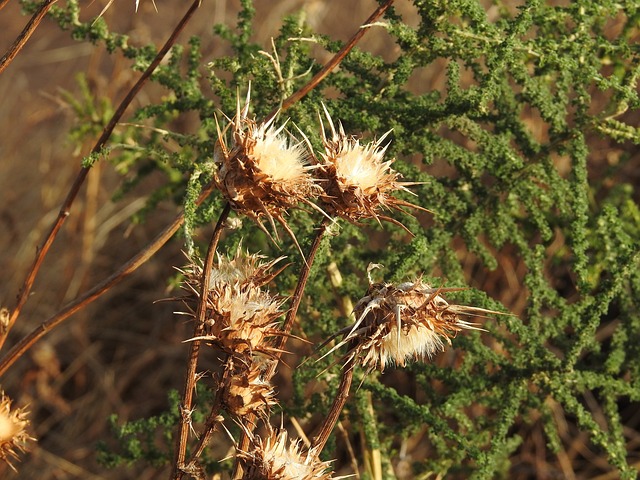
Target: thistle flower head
{"x":408,"y":321}
{"x":356,"y":181}
{"x":264,"y":172}
{"x":13,"y":434}
{"x":242,"y":320}
{"x":274,"y":458}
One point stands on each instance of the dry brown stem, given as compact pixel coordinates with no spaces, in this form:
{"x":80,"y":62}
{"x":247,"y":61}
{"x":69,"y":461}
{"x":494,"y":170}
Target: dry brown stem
{"x":340,"y":399}
{"x":80,"y":178}
{"x":335,"y":60}
{"x":213,"y":420}
{"x":194,"y":350}
{"x":124,"y":271}
{"x":26,"y":33}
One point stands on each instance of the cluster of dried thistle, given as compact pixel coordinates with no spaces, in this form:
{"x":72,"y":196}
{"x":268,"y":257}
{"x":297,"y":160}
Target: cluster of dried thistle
{"x":263,"y":173}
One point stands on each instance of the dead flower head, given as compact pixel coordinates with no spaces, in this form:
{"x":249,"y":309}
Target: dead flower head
{"x":356,"y":181}
{"x":13,"y":434}
{"x":240,"y":314}
{"x":245,"y":390}
{"x":274,"y":458}
{"x":264,"y":172}
{"x":408,"y":321}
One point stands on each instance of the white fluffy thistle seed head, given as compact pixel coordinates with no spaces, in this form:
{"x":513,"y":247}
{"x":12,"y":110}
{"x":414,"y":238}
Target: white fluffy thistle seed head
{"x":13,"y":434}
{"x":356,"y":180}
{"x":265,"y":171}
{"x":411,"y":321}
{"x":276,"y":458}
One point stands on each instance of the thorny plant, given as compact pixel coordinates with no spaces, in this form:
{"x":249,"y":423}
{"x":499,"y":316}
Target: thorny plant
{"x":262,"y":174}
{"x":266,"y":169}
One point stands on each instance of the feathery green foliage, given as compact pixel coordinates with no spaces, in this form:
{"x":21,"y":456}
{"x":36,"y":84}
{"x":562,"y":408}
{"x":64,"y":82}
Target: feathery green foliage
{"x":518,"y":123}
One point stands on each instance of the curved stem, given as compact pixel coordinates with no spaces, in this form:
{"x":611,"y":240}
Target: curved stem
{"x":194,"y":349}
{"x":26,"y":33}
{"x":79,"y":180}
{"x":320,"y":440}
{"x":331,"y":64}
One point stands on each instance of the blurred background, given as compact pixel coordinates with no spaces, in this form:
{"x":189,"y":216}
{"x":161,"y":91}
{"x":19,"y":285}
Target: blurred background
{"x":124,"y":352}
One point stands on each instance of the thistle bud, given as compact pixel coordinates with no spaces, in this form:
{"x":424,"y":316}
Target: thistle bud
{"x":357,"y":182}
{"x":245,"y":391}
{"x":240,"y":314}
{"x":264,"y":172}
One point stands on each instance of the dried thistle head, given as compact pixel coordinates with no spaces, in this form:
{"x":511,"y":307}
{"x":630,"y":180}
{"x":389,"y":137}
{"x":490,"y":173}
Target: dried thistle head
{"x":409,"y":321}
{"x":242,"y":320}
{"x":273,"y":459}
{"x":13,"y":434}
{"x":243,"y":269}
{"x":264,"y":172}
{"x":240,"y":314}
{"x":356,"y":180}
{"x":245,"y":390}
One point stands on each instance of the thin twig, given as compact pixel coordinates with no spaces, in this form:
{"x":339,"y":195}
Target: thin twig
{"x":320,"y":440}
{"x":194,"y":350}
{"x":125,"y":270}
{"x":331,"y":64}
{"x":212,"y":422}
{"x":249,"y":420}
{"x":73,"y":192}
{"x":297,"y":298}
{"x":26,"y":33}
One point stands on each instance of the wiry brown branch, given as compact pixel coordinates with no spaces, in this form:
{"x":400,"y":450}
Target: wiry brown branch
{"x":73,"y":192}
{"x":194,"y":350}
{"x":335,"y":60}
{"x":26,"y":33}
{"x":340,"y":399}
{"x":249,"y":420}
{"x":100,"y":289}
{"x":213,"y":420}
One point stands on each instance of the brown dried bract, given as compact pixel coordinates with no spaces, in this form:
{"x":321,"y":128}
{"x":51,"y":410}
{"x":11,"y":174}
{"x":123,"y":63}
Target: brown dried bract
{"x":245,"y":390}
{"x":264,"y":172}
{"x":357,"y":183}
{"x":408,"y":321}
{"x":240,"y":316}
